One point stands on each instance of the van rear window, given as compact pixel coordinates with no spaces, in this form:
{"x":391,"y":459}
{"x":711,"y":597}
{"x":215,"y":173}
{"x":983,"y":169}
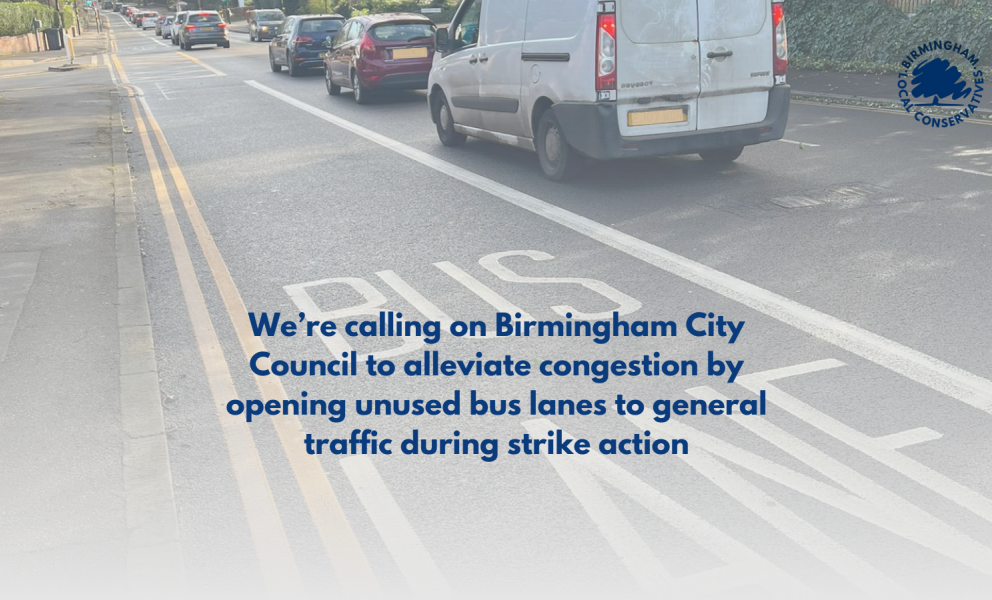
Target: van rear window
{"x":402,"y":32}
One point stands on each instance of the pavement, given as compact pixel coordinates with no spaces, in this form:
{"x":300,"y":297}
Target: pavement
{"x":854,"y":251}
{"x":83,"y":431}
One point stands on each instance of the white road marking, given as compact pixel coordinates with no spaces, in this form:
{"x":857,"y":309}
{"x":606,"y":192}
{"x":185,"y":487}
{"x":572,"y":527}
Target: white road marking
{"x":744,"y":566}
{"x":882,"y":452}
{"x":416,"y":299}
{"x":950,"y":168}
{"x":938,"y":375}
{"x":910,"y":437}
{"x":482,"y":290}
{"x":862,"y":497}
{"x":800,"y":143}
{"x":162,"y":91}
{"x":411,"y":556}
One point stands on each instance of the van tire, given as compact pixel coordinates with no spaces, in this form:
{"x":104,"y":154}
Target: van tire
{"x":722,"y":156}
{"x":445,"y":122}
{"x":559,"y":160}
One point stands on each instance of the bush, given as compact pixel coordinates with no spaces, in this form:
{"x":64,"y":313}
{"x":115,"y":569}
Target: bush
{"x":16,"y":18}
{"x":872,"y":36}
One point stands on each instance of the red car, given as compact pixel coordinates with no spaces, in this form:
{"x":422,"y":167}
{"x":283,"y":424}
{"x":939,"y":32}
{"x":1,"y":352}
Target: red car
{"x":380,"y":52}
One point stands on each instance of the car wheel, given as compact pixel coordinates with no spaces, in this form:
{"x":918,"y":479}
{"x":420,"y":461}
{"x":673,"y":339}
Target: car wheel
{"x":272,"y":63}
{"x":361,"y":94}
{"x":446,"y":123}
{"x":293,"y":71}
{"x":722,"y":156}
{"x":332,"y":88}
{"x":225,"y":45}
{"x":559,"y":160}
{"x":175,"y":41}
{"x":251,"y":35}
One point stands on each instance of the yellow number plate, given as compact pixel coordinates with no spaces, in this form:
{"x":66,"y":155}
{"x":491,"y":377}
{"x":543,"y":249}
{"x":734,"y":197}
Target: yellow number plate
{"x":664,"y":116}
{"x":401,"y":53}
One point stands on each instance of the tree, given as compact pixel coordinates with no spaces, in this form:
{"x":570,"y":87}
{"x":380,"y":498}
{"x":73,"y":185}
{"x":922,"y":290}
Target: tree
{"x":936,"y":78}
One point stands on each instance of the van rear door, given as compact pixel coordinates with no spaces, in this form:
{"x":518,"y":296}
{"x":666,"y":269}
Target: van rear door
{"x":736,"y":47}
{"x":658,"y":66}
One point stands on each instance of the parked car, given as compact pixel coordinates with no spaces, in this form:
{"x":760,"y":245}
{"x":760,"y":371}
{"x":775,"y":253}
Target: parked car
{"x":165,"y":29}
{"x":611,"y":80}
{"x":177,"y":23}
{"x":107,"y":5}
{"x":146,"y":20}
{"x":263,"y":24}
{"x":203,"y":27}
{"x":380,"y":52}
{"x":124,"y":9}
{"x":159,"y":23}
{"x":300,"y":42}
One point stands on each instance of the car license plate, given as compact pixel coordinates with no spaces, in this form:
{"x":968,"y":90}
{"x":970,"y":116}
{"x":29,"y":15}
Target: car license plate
{"x":206,"y":29}
{"x":401,"y":53}
{"x":665,"y":116}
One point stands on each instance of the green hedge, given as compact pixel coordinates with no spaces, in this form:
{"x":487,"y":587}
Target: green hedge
{"x":867,"y":35}
{"x":16,"y":18}
{"x":351,"y":8}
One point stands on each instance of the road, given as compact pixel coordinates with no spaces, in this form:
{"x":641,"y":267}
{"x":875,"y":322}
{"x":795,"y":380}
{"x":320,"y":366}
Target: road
{"x":856,"y":252}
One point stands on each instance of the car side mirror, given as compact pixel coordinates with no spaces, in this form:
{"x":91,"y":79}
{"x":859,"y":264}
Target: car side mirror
{"x":442,"y":42}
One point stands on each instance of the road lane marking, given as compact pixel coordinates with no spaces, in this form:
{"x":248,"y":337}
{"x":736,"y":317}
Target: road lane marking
{"x":276,"y":561}
{"x":337,"y":536}
{"x":800,"y":143}
{"x":910,"y":437}
{"x":412,"y":558}
{"x":959,"y":169}
{"x":970,"y":389}
{"x":202,"y":64}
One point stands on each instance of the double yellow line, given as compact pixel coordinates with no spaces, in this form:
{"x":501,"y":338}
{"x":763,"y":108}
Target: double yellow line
{"x":279,"y":569}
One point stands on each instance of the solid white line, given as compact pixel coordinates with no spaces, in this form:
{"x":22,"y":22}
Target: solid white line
{"x":966,"y":387}
{"x":949,"y":168}
{"x":800,"y":143}
{"x":482,"y":290}
{"x":413,"y":560}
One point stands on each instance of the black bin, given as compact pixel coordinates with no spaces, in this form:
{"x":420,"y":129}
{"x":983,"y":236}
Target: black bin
{"x":52,"y":39}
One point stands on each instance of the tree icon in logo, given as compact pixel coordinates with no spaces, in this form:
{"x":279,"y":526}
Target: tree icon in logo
{"x":937,"y":79}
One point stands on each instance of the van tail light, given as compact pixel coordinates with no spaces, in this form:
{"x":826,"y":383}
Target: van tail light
{"x":368,"y":49}
{"x":302,"y":40}
{"x":606,"y":55}
{"x":781,"y":58}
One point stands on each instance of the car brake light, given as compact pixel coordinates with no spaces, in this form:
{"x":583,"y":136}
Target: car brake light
{"x":606,"y":56}
{"x":368,"y":49}
{"x":222,"y":25}
{"x":781,"y":58}
{"x":190,"y":27}
{"x":302,"y":40}
{"x":204,"y":14}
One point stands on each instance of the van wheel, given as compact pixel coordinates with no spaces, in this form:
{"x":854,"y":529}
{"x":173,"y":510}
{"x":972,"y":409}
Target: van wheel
{"x":722,"y":156}
{"x":446,"y":123}
{"x":558,"y":159}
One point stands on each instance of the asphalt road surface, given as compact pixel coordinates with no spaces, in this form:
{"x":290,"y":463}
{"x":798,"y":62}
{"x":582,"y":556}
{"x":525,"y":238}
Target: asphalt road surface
{"x":856,"y":251}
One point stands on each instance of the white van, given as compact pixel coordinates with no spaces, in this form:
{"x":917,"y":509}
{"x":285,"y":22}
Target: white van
{"x":612,"y":79}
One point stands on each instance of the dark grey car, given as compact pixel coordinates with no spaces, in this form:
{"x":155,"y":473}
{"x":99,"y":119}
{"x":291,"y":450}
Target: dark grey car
{"x":203,"y":27}
{"x":264,"y":24}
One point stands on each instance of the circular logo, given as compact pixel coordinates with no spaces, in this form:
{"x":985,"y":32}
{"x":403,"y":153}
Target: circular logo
{"x":942,"y":76}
